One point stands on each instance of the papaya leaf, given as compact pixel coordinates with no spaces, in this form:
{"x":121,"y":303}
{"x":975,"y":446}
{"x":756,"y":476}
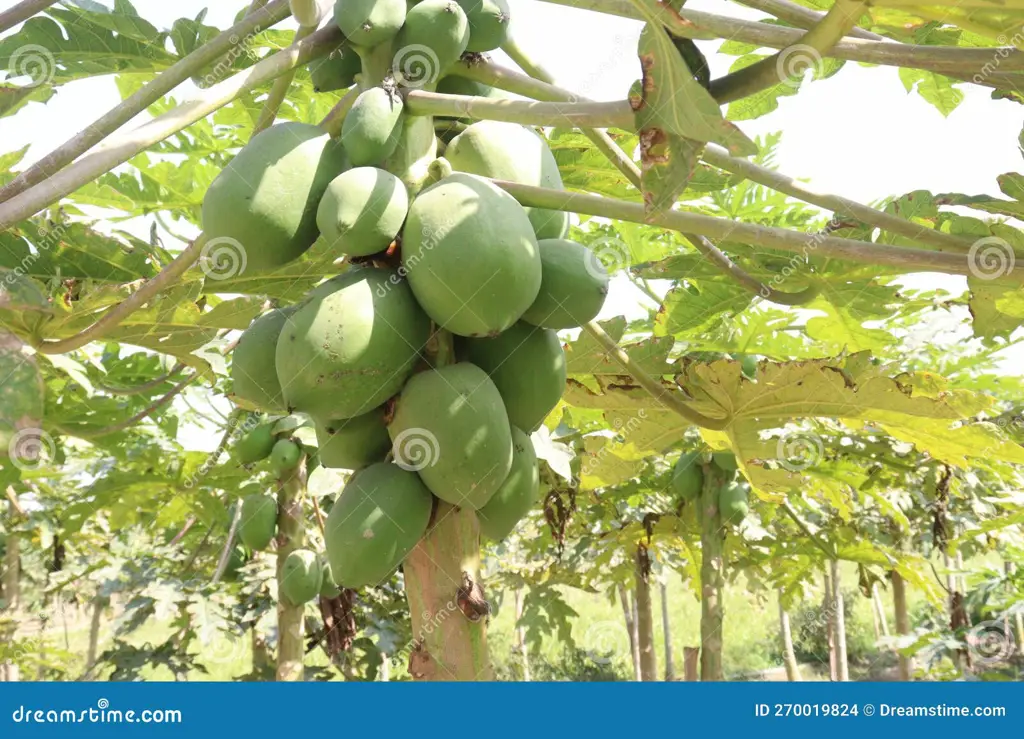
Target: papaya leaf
{"x":21,"y":403}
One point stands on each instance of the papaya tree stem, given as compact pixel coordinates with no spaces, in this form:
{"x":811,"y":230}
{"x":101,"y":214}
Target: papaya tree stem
{"x":290,"y":536}
{"x":279,"y":90}
{"x":902,"y":258}
{"x":22,"y":12}
{"x":134,"y":104}
{"x":669,"y":399}
{"x":802,"y":17}
{"x":712,"y":577}
{"x":717,"y":156}
{"x":598,"y":115}
{"x":123,"y":147}
{"x":814,"y":44}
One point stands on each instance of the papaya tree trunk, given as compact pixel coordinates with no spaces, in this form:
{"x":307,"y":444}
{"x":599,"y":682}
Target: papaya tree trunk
{"x":629,"y":614}
{"x":260,"y":653}
{"x":838,"y":607}
{"x":520,"y":639}
{"x":788,"y":653}
{"x":711,"y":579}
{"x":899,"y":602}
{"x":290,"y":536}
{"x":645,"y":617}
{"x":879,"y":609}
{"x":98,"y":604}
{"x":828,"y":608}
{"x":1018,"y":618}
{"x":446,"y":600}
{"x":691,"y":664}
{"x":666,"y":628}
{"x":12,"y":592}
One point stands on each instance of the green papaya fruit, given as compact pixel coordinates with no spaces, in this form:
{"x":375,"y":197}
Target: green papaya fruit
{"x":252,"y":363}
{"x":258,"y":524}
{"x":517,"y":494}
{"x":378,"y":518}
{"x":470,"y":256}
{"x":355,"y":442}
{"x":362,"y":211}
{"x":372,"y":127}
{"x":508,"y":151}
{"x":301,"y":577}
{"x":260,"y":211}
{"x":725,"y":461}
{"x":527,"y":365}
{"x":417,"y":148}
{"x":336,"y":71}
{"x":351,"y":345}
{"x":688,"y":477}
{"x":368,"y":23}
{"x":285,"y":456}
{"x":488,"y":21}
{"x":433,"y":38}
{"x":450,"y":426}
{"x":328,"y":587}
{"x":733,"y":503}
{"x":748,"y":364}
{"x":256,"y":445}
{"x":573,"y":286}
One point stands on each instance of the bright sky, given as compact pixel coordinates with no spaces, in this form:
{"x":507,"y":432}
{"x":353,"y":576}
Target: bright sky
{"x":859,"y":133}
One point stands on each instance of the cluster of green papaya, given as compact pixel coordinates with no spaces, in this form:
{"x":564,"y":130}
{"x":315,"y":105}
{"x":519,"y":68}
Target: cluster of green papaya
{"x":436,"y":250}
{"x":733,"y":494}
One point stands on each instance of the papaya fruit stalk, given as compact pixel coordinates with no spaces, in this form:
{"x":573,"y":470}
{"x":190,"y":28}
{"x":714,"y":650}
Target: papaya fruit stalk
{"x":290,"y":536}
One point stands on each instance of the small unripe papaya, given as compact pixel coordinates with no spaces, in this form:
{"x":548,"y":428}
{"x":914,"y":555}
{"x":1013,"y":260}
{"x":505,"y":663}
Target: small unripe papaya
{"x":488,"y":23}
{"x":336,"y":71}
{"x":285,"y":456}
{"x":433,"y":38}
{"x":301,"y":577}
{"x":573,"y":286}
{"x":368,"y":23}
{"x":258,"y":524}
{"x":733,"y":503}
{"x":725,"y":461}
{"x":362,"y":211}
{"x":256,"y":445}
{"x":688,"y":477}
{"x":372,"y":127}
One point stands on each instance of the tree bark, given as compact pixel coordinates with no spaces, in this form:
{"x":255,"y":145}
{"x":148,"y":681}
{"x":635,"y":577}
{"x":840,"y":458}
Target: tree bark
{"x":691,"y":664}
{"x":645,"y":619}
{"x":12,"y":590}
{"x":260,"y":653}
{"x":629,"y":614}
{"x":520,"y":638}
{"x":788,"y":653}
{"x":711,"y":580}
{"x":1011,"y":568}
{"x":827,"y":606}
{"x":446,"y":600}
{"x":666,"y":628}
{"x":879,"y":609}
{"x":290,"y":536}
{"x":899,"y":602}
{"x":98,"y":604}
{"x":842,"y":664}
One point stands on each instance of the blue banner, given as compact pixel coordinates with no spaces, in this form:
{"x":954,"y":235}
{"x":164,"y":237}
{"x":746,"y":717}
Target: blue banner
{"x":588,"y":710}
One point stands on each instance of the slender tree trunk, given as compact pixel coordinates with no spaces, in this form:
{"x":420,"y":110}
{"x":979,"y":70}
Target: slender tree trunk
{"x":843,"y":666}
{"x":827,"y":607}
{"x":260,"y":654}
{"x":446,"y":600}
{"x":98,"y":604}
{"x":520,"y":638}
{"x":12,"y":590}
{"x":899,"y":602}
{"x":712,"y":578}
{"x":645,"y":618}
{"x":629,"y":614}
{"x":879,"y":609}
{"x":1011,"y":568}
{"x":788,"y":653}
{"x":666,"y":628}
{"x":691,"y":664}
{"x":290,"y":536}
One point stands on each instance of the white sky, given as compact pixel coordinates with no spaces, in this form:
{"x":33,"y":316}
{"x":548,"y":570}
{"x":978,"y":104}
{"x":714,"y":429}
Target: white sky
{"x":859,"y":133}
